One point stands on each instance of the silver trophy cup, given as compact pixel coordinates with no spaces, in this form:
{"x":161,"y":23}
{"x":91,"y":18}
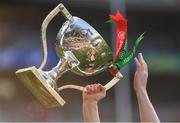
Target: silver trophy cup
{"x":81,"y":49}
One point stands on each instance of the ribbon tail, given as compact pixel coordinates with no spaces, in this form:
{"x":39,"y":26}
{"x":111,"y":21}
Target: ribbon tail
{"x":130,"y":55}
{"x":120,"y":40}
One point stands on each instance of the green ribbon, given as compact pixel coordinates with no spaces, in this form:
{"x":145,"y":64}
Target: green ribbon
{"x":125,"y":56}
{"x":111,"y":21}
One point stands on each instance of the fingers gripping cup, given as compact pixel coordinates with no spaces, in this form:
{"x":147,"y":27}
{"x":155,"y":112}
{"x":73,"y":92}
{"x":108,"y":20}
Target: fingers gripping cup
{"x":81,"y":49}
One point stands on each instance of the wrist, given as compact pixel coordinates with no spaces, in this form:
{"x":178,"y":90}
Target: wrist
{"x":90,"y":102}
{"x":141,"y":90}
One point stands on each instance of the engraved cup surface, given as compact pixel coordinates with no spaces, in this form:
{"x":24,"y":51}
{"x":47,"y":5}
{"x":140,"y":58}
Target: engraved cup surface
{"x":87,"y":45}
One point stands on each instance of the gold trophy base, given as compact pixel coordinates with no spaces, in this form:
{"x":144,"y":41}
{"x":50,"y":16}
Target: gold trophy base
{"x":39,"y":87}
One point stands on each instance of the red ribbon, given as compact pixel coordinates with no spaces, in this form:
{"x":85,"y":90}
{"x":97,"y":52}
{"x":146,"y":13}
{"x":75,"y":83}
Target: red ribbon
{"x":121,"y":31}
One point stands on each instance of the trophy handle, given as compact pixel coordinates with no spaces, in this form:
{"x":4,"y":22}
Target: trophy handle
{"x":47,"y":20}
{"x":109,"y":85}
{"x":116,"y":79}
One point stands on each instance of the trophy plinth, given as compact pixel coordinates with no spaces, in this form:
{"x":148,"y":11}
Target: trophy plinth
{"x":39,"y":87}
{"x":43,"y":84}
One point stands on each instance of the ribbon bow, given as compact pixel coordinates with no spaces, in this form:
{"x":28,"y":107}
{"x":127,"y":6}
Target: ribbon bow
{"x":122,"y":56}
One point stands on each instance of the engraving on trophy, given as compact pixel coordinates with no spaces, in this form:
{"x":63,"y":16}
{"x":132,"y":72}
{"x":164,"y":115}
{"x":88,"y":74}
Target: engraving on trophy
{"x":75,"y":43}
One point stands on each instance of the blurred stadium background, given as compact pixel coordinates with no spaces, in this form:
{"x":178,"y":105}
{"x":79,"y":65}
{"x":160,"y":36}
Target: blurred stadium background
{"x":20,"y":46}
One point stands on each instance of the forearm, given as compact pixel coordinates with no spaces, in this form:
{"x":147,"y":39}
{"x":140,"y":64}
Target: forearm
{"x":90,"y":112}
{"x":146,"y":109}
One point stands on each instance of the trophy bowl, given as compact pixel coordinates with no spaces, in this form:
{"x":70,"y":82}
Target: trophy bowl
{"x":87,"y":45}
{"x":81,"y":49}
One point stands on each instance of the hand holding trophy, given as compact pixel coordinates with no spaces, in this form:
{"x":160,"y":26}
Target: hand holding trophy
{"x":81,"y":49}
